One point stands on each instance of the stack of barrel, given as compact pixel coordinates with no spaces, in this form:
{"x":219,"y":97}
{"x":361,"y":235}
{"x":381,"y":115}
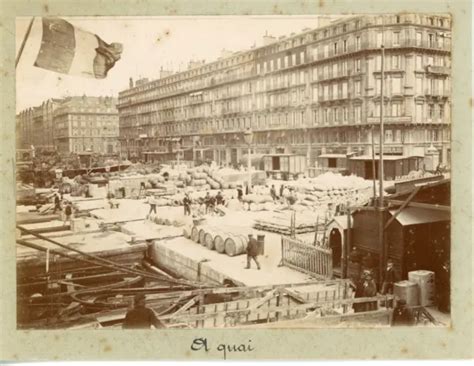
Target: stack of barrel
{"x":218,"y":239}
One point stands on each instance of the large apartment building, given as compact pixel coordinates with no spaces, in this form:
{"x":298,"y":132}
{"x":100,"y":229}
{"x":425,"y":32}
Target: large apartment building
{"x":313,"y":93}
{"x":71,"y":125}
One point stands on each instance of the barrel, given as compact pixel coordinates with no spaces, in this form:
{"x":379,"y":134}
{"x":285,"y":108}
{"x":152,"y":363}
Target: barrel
{"x":426,"y":285}
{"x":219,"y":242}
{"x":408,"y":291}
{"x":187,"y":232}
{"x":209,"y":237}
{"x":202,"y":232}
{"x":235,"y":245}
{"x":195,"y":234}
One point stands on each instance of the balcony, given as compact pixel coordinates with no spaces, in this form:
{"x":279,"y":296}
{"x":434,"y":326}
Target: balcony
{"x":390,"y":119}
{"x":438,"y":70}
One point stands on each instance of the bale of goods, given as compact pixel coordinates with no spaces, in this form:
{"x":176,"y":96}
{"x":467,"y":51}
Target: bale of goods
{"x":426,"y":285}
{"x":195,"y":234}
{"x":200,"y":176}
{"x":253,"y":206}
{"x":198,"y":182}
{"x":202,"y":232}
{"x":235,"y":244}
{"x":408,"y":291}
{"x":219,"y":242}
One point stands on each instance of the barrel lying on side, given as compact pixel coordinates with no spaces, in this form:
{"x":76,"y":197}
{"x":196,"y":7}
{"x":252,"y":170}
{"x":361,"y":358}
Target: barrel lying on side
{"x":202,"y":232}
{"x":235,"y":245}
{"x":209,"y":235}
{"x":195,"y":234}
{"x":219,"y":242}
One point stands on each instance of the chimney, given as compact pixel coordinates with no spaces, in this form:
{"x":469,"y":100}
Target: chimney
{"x":130,"y":83}
{"x":268,"y":39}
{"x":164,"y":73}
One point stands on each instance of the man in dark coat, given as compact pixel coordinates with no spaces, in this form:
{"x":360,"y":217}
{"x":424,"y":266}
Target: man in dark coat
{"x":273,"y":193}
{"x":141,"y":317}
{"x":389,"y":279}
{"x":219,"y":199}
{"x":187,"y":204}
{"x":252,"y":251}
{"x":57,"y":203}
{"x":369,"y":289}
{"x":240,"y":193}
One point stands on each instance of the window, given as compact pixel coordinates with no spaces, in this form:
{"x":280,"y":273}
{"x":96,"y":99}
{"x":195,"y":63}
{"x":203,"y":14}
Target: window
{"x":357,"y":24}
{"x":357,"y":43}
{"x":334,"y":91}
{"x":286,"y":61}
{"x":334,"y":70}
{"x":345,"y":114}
{"x":357,"y":113}
{"x":302,"y":57}
{"x":344,"y":28}
{"x":441,"y":23}
{"x":397,"y":18}
{"x":379,"y":39}
{"x":388,"y":136}
{"x":419,"y":85}
{"x":431,"y":21}
{"x":344,"y":46}
{"x":278,"y":63}
{"x":396,"y":109}
{"x":431,"y":111}
{"x":335,"y":48}
{"x":293,"y":59}
{"x":344,"y":89}
{"x":357,"y":87}
{"x":396,"y":61}
{"x":419,"y":38}
{"x":431,"y":40}
{"x":396,"y":38}
{"x":441,"y":111}
{"x":419,"y":112}
{"x":357,"y":65}
{"x":419,"y":62}
{"x":326,"y":50}
{"x":396,"y":85}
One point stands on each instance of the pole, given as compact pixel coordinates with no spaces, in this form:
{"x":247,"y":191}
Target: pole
{"x":374,"y":173}
{"x":381,"y":171}
{"x":250,"y":172}
{"x":23,"y":43}
{"x":347,"y":247}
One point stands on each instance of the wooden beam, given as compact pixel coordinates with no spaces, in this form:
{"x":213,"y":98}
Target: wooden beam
{"x":264,"y":299}
{"x":293,"y":295}
{"x":428,"y":206}
{"x":400,"y":209}
{"x":185,"y":307}
{"x":282,"y":309}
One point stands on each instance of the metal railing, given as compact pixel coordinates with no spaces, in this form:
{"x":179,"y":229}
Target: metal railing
{"x":313,"y":260}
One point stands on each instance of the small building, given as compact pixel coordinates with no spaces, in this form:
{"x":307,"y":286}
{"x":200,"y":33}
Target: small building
{"x":394,"y":166}
{"x":284,"y":166}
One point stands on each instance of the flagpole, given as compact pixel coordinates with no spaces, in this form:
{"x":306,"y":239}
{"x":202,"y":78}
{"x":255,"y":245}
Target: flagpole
{"x":27,"y":34}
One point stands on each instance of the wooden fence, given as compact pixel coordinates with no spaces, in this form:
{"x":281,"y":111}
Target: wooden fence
{"x":313,"y":260}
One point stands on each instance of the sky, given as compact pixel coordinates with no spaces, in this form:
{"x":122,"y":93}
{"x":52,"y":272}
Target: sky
{"x":149,"y":43}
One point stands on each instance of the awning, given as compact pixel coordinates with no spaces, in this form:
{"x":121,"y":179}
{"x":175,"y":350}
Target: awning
{"x":385,"y":157}
{"x":416,"y":216}
{"x":337,"y":156}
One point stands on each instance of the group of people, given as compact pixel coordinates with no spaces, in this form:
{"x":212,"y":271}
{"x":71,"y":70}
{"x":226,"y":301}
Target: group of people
{"x":62,"y":206}
{"x":209,"y":202}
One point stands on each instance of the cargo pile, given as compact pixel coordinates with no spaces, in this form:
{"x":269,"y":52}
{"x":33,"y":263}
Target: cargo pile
{"x":280,"y":222}
{"x":219,"y":239}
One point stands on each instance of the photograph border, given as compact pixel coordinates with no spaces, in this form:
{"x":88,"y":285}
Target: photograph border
{"x":453,"y":342}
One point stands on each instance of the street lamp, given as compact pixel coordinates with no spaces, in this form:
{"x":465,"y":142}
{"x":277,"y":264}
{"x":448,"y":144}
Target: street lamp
{"x":248,"y":137}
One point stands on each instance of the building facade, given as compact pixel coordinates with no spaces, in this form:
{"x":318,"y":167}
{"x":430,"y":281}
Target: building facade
{"x":71,"y":125}
{"x":35,"y":126}
{"x":313,"y":93}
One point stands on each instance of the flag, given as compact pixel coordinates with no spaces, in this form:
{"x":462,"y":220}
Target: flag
{"x":69,"y":50}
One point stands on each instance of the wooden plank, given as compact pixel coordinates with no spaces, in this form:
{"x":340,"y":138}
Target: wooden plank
{"x":185,"y":307}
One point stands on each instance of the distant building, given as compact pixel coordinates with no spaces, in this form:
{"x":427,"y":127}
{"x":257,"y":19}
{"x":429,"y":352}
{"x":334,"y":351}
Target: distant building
{"x":70,"y":125}
{"x":35,"y":126}
{"x":313,"y":93}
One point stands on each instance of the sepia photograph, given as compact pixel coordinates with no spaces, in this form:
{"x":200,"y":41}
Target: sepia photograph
{"x":247,"y":172}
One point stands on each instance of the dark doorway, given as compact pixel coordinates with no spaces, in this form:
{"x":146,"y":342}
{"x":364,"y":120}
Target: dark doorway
{"x":275,"y":162}
{"x":335,"y":242}
{"x":369,"y":170}
{"x":332,"y":163}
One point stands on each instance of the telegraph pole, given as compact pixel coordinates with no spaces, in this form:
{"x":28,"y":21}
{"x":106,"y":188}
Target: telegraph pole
{"x":381,"y":209}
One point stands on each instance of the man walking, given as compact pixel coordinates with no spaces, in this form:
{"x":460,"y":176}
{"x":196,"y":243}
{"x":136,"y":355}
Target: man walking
{"x":152,"y":203}
{"x":57,"y":203}
{"x":67,"y":213}
{"x":252,"y":251}
{"x":141,"y":317}
{"x":187,"y":205}
{"x":273,"y":193}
